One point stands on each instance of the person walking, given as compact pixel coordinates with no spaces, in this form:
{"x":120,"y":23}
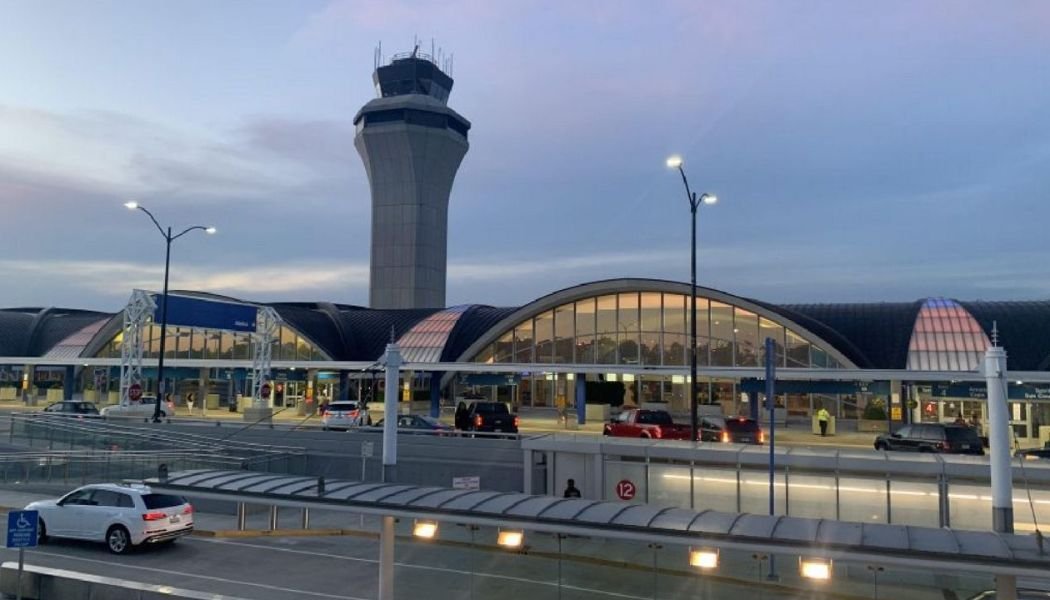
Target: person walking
{"x":571,"y":491}
{"x":823,"y":416}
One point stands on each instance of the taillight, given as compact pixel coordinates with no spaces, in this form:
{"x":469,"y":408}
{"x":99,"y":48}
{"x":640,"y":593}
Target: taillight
{"x":154,"y":516}
{"x":188,"y":510}
{"x":944,"y":445}
{"x":477,"y":420}
{"x":725,"y":437}
{"x":517,"y":420}
{"x":353,"y":414}
{"x":761,"y":437}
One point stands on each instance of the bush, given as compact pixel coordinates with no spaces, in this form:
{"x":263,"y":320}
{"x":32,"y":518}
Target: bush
{"x":875,"y":410}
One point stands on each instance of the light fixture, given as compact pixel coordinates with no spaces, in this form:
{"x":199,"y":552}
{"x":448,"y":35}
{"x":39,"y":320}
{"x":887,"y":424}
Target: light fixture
{"x":1019,"y":382}
{"x":210,"y":230}
{"x":510,"y":538}
{"x":131,"y":205}
{"x":425,"y":529}
{"x":674,"y":161}
{"x":703,"y":558}
{"x":709,"y":199}
{"x":812,"y":567}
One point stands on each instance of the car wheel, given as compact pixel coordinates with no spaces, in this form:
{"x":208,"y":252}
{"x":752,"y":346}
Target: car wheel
{"x":118,"y":540}
{"x":645,"y":436}
{"x":41,"y":533}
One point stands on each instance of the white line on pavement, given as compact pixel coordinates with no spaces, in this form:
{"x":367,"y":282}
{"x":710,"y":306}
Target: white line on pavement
{"x":424,"y":568}
{"x":195,"y":576}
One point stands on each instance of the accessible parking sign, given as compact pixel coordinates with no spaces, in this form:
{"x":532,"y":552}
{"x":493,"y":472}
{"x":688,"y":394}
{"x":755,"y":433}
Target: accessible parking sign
{"x":22,"y":528}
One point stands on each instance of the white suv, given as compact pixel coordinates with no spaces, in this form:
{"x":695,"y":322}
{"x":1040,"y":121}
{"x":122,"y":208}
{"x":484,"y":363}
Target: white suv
{"x":344,"y":415}
{"x":142,"y":409}
{"x":122,"y":516}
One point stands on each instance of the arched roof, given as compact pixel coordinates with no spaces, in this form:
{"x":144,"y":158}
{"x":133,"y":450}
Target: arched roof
{"x":1024,"y":330}
{"x":874,"y":335}
{"x":34,"y":331}
{"x":615,"y":286}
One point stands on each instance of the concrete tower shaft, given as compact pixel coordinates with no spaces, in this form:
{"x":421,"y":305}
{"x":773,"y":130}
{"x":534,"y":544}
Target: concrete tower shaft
{"x":411,"y":144}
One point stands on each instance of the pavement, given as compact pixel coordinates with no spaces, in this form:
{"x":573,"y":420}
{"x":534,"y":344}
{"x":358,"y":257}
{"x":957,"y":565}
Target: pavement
{"x":532,"y":421}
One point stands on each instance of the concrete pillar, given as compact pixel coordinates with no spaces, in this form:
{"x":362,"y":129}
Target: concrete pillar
{"x":581,"y":398}
{"x":28,"y":390}
{"x":67,"y":383}
{"x":202,"y":392}
{"x":435,"y":394}
{"x":344,"y":386}
{"x":386,"y":560}
{"x":393,"y":389}
{"x":527,"y":466}
{"x":999,"y":440}
{"x":752,"y":404}
{"x":309,"y":405}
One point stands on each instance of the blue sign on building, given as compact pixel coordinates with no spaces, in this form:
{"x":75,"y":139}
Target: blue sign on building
{"x":21,"y":528}
{"x":207,"y":314}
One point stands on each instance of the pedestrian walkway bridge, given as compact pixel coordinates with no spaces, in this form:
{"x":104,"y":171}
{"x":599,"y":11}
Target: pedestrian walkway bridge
{"x":722,"y":550}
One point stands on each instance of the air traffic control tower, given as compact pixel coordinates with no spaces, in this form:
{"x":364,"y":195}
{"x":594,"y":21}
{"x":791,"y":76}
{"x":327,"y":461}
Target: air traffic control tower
{"x":411,"y":143}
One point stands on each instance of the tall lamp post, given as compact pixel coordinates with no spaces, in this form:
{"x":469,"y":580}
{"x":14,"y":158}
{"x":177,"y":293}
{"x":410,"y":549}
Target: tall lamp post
{"x":168,"y":239}
{"x":675,"y":162}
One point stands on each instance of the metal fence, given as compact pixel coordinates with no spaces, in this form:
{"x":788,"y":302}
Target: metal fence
{"x":79,"y":467}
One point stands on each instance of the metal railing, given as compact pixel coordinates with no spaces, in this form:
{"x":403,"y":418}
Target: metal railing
{"x":81,"y":467}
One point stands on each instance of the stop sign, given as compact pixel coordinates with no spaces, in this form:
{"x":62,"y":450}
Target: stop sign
{"x":135,"y":392}
{"x":264,"y":391}
{"x":625,"y":489}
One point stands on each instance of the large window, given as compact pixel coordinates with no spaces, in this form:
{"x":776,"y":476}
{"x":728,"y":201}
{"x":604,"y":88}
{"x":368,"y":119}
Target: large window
{"x":187,"y":343}
{"x":651,"y":328}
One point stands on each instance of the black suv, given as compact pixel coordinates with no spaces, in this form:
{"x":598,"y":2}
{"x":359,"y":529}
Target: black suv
{"x":491,"y":417}
{"x":932,"y":437}
{"x":738,"y":430}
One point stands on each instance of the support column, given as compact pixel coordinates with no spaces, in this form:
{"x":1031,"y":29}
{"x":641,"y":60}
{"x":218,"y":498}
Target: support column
{"x":202,"y":392}
{"x":67,"y":383}
{"x":344,"y":386}
{"x":390,"y":405}
{"x":581,"y":398}
{"x":752,"y":404}
{"x":386,"y":559}
{"x":435,"y":394}
{"x":999,"y":439}
{"x":28,"y":390}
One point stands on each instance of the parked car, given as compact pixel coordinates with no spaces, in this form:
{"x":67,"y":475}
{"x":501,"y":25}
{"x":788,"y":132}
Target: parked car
{"x":932,"y":437}
{"x":420,"y":423}
{"x":643,"y":423}
{"x":143,"y":409}
{"x":736,"y":430}
{"x":122,"y":516}
{"x":1034,"y":453}
{"x":344,"y":415}
{"x":491,"y":417}
{"x":72,"y":408}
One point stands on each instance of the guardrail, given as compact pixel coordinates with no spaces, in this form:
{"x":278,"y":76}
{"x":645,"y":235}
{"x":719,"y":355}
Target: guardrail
{"x":86,"y":467}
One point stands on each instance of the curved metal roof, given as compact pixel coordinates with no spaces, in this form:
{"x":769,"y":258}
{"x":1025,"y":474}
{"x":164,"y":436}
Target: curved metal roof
{"x":617,"y":519}
{"x":34,"y":331}
{"x":1024,"y":330}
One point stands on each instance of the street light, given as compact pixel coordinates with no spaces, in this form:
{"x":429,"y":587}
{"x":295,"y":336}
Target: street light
{"x":675,"y":162}
{"x":168,"y":239}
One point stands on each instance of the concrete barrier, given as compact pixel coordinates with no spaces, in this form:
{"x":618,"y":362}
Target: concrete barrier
{"x":45,"y":583}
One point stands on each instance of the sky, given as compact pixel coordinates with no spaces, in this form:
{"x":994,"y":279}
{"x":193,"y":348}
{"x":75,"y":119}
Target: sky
{"x":861,"y":151}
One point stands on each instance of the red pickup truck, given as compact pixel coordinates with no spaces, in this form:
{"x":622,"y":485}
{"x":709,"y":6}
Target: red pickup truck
{"x":655,"y":424}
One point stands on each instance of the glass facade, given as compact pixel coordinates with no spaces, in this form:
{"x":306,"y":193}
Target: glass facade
{"x":184,"y":342}
{"x":650,"y":328}
{"x":946,"y":338}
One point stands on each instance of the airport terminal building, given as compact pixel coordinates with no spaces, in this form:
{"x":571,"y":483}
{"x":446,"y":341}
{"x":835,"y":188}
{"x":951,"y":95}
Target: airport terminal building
{"x":614,"y":341}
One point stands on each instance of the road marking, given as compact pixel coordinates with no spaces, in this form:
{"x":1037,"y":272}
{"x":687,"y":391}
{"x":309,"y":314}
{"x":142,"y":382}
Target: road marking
{"x":426,"y":568}
{"x":275,"y":588}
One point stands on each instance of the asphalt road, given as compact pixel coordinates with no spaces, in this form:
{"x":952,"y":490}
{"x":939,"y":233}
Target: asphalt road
{"x":345,"y":568}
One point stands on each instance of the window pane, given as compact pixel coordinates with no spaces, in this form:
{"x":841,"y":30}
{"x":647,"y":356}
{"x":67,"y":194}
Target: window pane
{"x":746,"y":330}
{"x":721,"y":334}
{"x":564,"y":333}
{"x":585,"y":331}
{"x":523,"y":342}
{"x":627,"y":332}
{"x":503,"y":349}
{"x":605,"y":350}
{"x":770,"y":329}
{"x":797,"y":350}
{"x":544,"y":332}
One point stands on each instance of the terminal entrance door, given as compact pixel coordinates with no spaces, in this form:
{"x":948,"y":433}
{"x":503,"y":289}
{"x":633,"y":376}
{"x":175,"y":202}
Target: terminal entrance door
{"x":294,"y":392}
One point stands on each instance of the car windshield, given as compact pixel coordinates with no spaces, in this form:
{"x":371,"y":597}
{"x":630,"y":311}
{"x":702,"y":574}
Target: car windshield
{"x":491,"y":408}
{"x":342,"y":406}
{"x":153,"y":501}
{"x":962,"y":434}
{"x":741,"y":425}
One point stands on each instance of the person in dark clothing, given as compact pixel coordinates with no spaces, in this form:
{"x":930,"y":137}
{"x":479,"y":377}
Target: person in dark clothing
{"x":571,"y":491}
{"x":461,"y":417}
